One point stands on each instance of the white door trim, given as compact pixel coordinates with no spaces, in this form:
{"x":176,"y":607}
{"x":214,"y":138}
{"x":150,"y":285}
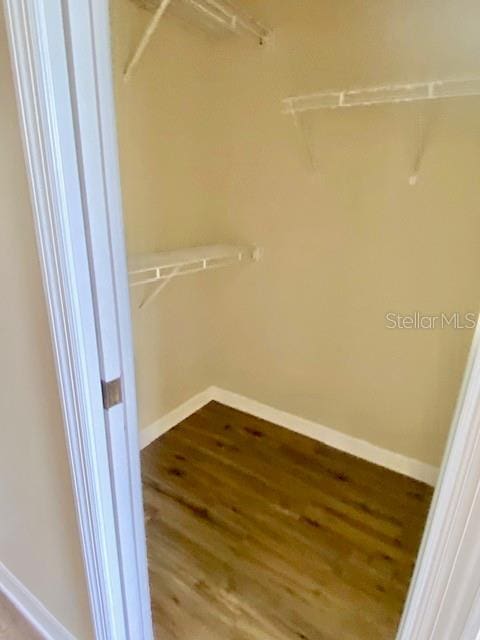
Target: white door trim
{"x":45,"y":41}
{"x":81,"y":248}
{"x":443,"y":601}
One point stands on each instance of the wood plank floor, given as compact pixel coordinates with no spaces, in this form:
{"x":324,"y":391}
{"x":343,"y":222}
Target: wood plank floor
{"x":257,"y":533}
{"x":12,"y":624}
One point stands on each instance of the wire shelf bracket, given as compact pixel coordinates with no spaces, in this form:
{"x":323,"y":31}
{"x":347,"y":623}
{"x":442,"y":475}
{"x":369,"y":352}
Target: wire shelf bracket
{"x":145,"y":39}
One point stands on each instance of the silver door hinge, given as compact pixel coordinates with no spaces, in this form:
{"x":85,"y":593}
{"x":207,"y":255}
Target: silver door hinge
{"x":111,"y":393}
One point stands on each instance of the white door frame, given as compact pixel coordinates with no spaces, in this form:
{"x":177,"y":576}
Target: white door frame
{"x":60,"y":52}
{"x":62,"y":68}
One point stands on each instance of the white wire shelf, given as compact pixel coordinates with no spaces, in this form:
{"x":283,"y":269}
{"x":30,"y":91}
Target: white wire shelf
{"x":226,"y":16}
{"x":160,"y":268}
{"x":387,"y":94}
{"x":148,"y":268}
{"x":466,"y":86}
{"x":219,"y":15}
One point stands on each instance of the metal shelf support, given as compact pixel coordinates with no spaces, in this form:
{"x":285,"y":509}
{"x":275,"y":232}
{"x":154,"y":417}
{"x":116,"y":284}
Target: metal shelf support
{"x":149,"y":31}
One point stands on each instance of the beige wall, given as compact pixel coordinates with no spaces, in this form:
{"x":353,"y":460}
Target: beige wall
{"x":39,"y":541}
{"x":168,"y":178}
{"x":351,"y":240}
{"x":207,"y":155}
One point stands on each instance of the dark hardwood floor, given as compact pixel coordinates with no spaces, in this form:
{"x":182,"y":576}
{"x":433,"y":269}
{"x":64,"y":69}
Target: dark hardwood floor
{"x":257,"y":533}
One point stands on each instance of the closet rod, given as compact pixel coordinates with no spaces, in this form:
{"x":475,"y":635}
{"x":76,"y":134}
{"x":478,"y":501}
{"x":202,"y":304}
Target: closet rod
{"x":149,"y":31}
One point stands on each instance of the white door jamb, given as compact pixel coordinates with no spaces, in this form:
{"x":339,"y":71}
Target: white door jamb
{"x":62,"y":70}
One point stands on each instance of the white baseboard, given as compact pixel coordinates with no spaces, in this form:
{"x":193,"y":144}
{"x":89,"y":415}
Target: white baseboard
{"x":359,"y":448}
{"x":31,"y":608}
{"x":355,"y":446}
{"x":174,"y":417}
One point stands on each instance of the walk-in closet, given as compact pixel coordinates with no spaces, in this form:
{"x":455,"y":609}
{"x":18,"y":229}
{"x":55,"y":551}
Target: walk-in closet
{"x":301,"y":201}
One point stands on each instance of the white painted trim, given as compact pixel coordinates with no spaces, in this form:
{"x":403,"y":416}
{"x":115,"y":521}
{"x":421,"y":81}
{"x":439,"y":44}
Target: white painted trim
{"x":443,"y":601}
{"x":174,"y":417}
{"x":332,"y":437}
{"x":91,"y":84}
{"x":31,"y":608}
{"x":62,"y":66}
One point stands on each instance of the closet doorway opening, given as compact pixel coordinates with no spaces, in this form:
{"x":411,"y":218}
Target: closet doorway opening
{"x":299,"y":185}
